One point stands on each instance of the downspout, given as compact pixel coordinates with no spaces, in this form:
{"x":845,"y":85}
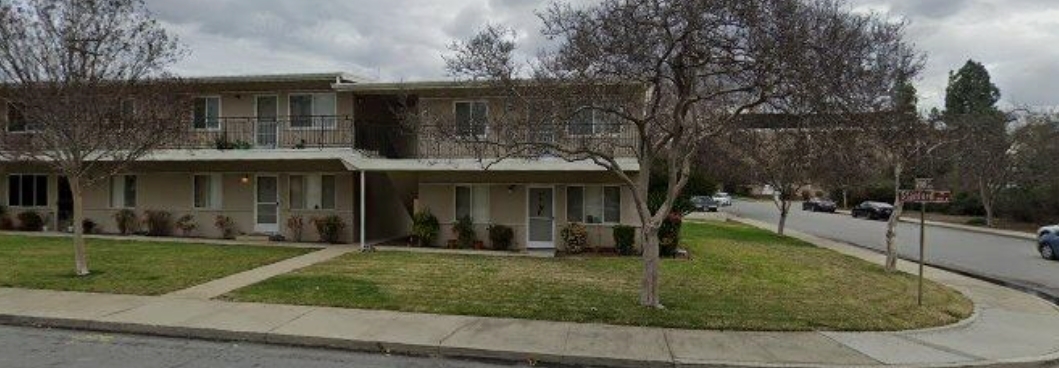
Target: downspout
{"x":363,"y":220}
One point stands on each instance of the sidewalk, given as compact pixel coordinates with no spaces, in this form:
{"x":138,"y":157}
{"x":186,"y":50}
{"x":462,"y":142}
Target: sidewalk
{"x":978,"y":229}
{"x":1009,"y":329}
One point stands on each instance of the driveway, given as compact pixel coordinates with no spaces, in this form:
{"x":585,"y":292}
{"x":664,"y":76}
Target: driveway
{"x":1012,"y":260}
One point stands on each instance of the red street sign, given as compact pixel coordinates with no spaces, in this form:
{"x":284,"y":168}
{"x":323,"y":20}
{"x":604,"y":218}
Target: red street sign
{"x":926,"y":196}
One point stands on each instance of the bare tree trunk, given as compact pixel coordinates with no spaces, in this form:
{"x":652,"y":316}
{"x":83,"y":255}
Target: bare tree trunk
{"x":80,"y":253}
{"x":891,"y":224}
{"x":845,"y":198}
{"x":785,"y":209}
{"x":649,"y":287}
{"x":987,"y":203}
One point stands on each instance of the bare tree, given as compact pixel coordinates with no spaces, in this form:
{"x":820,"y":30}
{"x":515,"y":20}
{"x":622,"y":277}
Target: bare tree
{"x":662,"y":75}
{"x":87,"y":82}
{"x":990,"y":166}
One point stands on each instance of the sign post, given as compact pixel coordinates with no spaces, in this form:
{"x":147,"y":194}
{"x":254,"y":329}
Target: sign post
{"x":923,"y":194}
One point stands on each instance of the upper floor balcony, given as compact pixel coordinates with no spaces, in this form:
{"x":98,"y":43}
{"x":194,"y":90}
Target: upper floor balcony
{"x":290,"y":132}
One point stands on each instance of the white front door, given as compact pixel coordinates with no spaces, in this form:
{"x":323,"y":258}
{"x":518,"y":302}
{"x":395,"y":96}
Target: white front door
{"x":266,"y":123}
{"x":541,"y":218}
{"x":266,"y":208}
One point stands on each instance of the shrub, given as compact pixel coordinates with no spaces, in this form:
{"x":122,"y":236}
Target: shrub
{"x":127,"y":222}
{"x":575,"y":237}
{"x":425,"y":228}
{"x":669,"y":235}
{"x":226,"y":226}
{"x":159,"y":223}
{"x":625,"y":239}
{"x":88,"y":226}
{"x":186,"y":224}
{"x":296,"y":225}
{"x":330,"y":228}
{"x":5,"y":219}
{"x":464,"y":231}
{"x":30,"y":221}
{"x":501,"y":236}
{"x":977,"y":221}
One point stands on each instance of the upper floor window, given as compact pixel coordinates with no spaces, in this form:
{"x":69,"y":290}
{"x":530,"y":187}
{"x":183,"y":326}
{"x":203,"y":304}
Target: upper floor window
{"x":594,"y":121}
{"x":207,"y":113}
{"x":472,"y":118}
{"x":312,"y":110}
{"x":27,"y":190}
{"x":16,"y":120}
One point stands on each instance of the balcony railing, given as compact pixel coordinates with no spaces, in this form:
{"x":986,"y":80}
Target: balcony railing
{"x":271,"y":132}
{"x":448,"y":141}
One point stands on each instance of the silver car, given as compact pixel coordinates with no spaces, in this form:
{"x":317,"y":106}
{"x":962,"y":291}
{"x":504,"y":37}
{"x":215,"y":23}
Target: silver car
{"x":723,"y":199}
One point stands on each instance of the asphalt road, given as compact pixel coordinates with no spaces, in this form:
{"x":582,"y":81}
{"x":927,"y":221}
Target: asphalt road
{"x":22,"y":347}
{"x":1012,"y":260}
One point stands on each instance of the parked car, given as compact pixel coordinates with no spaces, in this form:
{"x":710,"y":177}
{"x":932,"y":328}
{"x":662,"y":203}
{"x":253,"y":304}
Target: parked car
{"x":873,"y":210}
{"x":819,"y":205}
{"x":1048,"y":242}
{"x":723,"y":199}
{"x":705,"y":203}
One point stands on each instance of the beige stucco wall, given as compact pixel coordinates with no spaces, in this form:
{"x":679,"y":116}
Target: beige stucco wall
{"x":172,"y":192}
{"x":507,"y":203}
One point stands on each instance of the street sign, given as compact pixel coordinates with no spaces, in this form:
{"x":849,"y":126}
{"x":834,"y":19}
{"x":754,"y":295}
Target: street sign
{"x":926,"y":196}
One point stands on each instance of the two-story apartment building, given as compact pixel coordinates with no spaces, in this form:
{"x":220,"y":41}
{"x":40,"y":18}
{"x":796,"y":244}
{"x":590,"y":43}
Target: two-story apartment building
{"x":265,"y":148}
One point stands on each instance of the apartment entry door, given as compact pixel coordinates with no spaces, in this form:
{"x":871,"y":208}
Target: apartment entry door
{"x":266,"y":208}
{"x":540,"y":218}
{"x":266,"y":125}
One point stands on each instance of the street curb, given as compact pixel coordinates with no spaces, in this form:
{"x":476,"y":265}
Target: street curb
{"x":977,"y":229}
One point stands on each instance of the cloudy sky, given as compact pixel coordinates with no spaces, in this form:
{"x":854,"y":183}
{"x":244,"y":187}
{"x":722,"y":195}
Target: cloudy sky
{"x":395,"y":40}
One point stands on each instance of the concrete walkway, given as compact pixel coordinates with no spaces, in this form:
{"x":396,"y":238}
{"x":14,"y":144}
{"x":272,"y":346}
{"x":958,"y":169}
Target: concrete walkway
{"x":1009,"y":329}
{"x":223,"y":285}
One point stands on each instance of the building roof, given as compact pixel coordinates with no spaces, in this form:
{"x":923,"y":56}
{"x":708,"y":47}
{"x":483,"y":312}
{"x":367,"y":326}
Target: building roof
{"x":353,"y":160}
{"x":334,"y":77}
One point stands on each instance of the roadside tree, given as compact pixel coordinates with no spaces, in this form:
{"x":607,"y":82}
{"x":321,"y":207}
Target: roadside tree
{"x":86,"y":83}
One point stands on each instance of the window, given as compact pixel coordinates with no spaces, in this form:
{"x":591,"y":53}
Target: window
{"x":16,"y":121}
{"x":123,"y":191}
{"x":207,"y":113}
{"x":593,"y":204}
{"x":542,"y":124}
{"x":27,"y":190}
{"x":312,"y":110}
{"x":473,"y":201}
{"x":593,"y":121}
{"x":472,"y":118}
{"x":316,"y":192}
{"x":207,"y":190}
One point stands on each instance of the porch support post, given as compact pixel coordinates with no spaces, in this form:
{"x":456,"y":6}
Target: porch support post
{"x":363,"y":220}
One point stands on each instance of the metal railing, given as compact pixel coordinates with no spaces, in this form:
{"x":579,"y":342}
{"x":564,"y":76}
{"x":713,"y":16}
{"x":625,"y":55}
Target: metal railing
{"x":448,"y":141}
{"x":318,"y":131}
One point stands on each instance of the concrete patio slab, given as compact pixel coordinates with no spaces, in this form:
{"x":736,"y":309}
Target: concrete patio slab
{"x":509,"y":339}
{"x":587,"y":344}
{"x":896,"y":350}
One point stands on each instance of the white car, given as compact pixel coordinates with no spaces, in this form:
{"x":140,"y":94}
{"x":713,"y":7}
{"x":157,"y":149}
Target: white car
{"x":723,"y":199}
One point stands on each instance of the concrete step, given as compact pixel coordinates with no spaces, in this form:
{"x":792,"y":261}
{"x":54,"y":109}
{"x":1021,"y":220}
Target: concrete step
{"x":253,"y":238}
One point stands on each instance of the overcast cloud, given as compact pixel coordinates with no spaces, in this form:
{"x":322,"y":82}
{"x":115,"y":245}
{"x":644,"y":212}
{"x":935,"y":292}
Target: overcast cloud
{"x":394,"y":40}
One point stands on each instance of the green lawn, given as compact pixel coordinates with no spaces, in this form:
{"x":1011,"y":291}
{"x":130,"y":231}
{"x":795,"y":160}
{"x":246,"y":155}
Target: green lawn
{"x":126,"y":267}
{"x":739,"y":278}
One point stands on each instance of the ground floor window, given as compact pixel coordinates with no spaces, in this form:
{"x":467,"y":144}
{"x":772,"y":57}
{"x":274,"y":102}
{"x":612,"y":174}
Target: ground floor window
{"x":27,"y":190}
{"x":473,"y":201}
{"x":123,"y":191}
{"x":315,"y":192}
{"x":593,"y":204}
{"x":207,"y":189}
